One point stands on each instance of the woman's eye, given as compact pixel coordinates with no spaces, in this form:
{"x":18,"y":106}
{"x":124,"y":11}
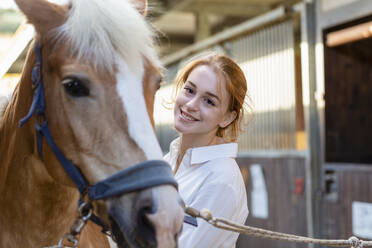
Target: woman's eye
{"x":74,"y":87}
{"x":189,"y":90}
{"x":210,"y":102}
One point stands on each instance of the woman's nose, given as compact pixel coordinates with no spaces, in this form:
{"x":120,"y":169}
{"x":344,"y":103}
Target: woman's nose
{"x":192,"y":104}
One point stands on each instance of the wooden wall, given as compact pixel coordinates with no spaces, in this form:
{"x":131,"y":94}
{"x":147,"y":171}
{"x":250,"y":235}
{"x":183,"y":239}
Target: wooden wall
{"x":287,"y":210}
{"x":353,"y":183}
{"x":348,"y":136}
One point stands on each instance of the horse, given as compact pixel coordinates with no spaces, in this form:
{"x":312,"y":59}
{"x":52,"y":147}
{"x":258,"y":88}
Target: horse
{"x":85,"y":102}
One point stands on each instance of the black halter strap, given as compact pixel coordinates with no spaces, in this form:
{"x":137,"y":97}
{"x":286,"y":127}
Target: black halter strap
{"x":138,"y":177}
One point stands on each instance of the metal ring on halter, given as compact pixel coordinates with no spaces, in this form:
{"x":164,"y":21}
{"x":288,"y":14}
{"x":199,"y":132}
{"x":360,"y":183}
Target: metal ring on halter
{"x":85,"y":210}
{"x":70,"y":238}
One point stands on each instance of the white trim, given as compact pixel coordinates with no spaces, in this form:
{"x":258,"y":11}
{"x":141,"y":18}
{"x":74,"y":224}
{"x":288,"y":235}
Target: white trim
{"x":345,"y":13}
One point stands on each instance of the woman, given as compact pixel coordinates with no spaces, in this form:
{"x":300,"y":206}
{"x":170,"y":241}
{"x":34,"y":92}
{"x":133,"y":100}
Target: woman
{"x":208,"y":110}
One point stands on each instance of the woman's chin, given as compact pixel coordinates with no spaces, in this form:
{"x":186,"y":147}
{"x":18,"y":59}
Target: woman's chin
{"x":183,"y":128}
{"x":179,"y":128}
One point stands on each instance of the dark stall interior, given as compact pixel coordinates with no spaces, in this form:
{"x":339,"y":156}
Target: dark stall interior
{"x":348,"y":98}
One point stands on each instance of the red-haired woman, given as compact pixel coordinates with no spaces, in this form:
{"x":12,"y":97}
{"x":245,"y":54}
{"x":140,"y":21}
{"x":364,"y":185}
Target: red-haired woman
{"x":207,"y":114}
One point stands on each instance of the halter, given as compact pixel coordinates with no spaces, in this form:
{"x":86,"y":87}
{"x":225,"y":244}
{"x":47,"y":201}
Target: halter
{"x":135,"y":178}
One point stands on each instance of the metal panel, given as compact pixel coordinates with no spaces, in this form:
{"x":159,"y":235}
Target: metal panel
{"x":267,"y":59}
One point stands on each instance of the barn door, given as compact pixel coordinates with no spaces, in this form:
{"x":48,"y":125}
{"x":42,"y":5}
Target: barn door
{"x":347,"y":171}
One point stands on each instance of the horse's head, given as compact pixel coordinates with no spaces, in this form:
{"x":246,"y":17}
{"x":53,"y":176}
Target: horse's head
{"x":100,"y":75}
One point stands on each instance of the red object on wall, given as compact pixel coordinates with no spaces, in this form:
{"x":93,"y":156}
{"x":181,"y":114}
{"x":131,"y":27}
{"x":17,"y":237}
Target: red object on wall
{"x":299,"y":186}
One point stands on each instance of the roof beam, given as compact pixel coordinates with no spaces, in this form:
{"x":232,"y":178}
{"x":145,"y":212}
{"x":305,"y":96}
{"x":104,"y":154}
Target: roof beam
{"x":181,"y":4}
{"x":348,"y":35}
{"x":203,"y":27}
{"x":225,"y":35}
{"x":20,"y":40}
{"x":229,"y":9}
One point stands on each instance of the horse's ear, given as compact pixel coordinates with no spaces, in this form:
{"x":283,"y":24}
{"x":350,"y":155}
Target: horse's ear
{"x":42,"y":14}
{"x":141,"y":6}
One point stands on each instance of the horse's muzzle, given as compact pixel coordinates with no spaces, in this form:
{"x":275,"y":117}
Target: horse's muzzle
{"x":153,"y":218}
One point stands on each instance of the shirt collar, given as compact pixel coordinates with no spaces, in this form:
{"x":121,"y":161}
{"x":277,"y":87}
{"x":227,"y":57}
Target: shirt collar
{"x":205,"y":153}
{"x":174,"y":147}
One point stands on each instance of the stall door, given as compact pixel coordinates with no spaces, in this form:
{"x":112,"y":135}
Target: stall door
{"x":347,"y":171}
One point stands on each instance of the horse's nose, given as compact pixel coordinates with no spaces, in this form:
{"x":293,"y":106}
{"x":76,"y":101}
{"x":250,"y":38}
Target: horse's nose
{"x":146,"y":205}
{"x":151,"y":218}
{"x":160,"y":216}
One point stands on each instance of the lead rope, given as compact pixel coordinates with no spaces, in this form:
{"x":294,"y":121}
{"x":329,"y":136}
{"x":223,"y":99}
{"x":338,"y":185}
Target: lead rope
{"x":225,"y":224}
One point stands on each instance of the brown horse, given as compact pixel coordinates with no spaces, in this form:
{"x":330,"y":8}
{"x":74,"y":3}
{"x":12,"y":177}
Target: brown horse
{"x":100,"y":74}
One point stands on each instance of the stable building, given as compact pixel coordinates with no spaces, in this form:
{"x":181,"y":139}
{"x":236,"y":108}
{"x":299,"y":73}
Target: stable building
{"x":306,"y":154}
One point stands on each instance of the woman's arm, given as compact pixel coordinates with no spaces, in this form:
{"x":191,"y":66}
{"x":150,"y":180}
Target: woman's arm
{"x":221,"y":200}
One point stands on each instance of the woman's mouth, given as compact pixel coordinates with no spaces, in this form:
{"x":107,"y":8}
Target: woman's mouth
{"x":187,"y":116}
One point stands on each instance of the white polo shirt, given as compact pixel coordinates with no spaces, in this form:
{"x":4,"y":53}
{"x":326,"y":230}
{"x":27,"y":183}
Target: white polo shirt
{"x":210,"y":178}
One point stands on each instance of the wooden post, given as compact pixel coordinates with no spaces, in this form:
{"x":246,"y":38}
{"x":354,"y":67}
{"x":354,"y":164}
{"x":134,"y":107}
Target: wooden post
{"x":202,"y":26}
{"x":355,"y":33}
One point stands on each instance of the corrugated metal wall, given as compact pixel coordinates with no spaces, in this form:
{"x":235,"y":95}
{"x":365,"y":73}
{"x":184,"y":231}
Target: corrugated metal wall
{"x":267,"y":59}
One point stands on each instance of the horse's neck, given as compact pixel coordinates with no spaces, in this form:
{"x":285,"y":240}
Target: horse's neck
{"x":32,"y":206}
{"x":16,"y":143}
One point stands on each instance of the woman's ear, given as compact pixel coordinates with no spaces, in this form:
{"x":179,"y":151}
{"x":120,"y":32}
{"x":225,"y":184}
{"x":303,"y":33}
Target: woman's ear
{"x":229,"y":117}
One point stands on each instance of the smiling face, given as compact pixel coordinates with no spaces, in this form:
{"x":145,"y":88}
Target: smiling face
{"x":201,"y":106}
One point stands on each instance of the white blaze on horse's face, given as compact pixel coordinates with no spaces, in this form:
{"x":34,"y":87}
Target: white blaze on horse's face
{"x":130,"y":89}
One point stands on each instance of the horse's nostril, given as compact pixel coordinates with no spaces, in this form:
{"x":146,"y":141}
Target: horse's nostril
{"x":145,"y":228}
{"x":148,"y":208}
{"x":117,"y":234}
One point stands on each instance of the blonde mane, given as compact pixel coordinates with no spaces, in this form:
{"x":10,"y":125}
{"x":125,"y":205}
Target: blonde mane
{"x":98,"y":30}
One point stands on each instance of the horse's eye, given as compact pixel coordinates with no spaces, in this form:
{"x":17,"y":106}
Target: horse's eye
{"x":74,"y":87}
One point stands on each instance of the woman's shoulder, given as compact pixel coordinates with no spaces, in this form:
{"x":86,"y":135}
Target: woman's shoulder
{"x":224,"y":170}
{"x":225,"y":164}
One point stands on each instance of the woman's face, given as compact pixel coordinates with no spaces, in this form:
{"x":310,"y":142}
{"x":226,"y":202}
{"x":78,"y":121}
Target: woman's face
{"x":201,"y":105}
